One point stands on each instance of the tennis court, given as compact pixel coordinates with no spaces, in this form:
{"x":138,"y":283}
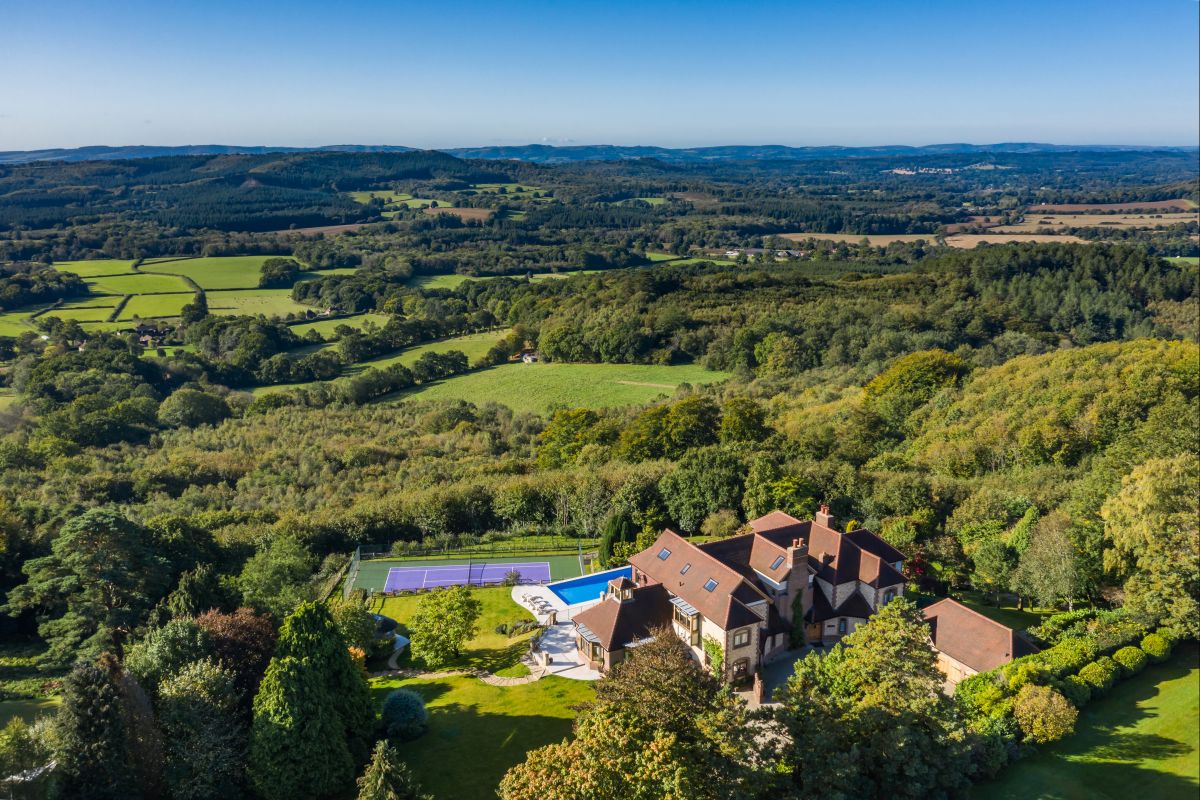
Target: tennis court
{"x":471,"y":574}
{"x":374,"y":575}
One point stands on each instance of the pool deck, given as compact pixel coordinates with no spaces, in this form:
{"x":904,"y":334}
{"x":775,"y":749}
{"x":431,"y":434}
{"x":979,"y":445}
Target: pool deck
{"x":558,"y":641}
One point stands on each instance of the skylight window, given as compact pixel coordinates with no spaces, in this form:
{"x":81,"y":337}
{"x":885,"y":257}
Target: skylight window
{"x":664,"y":554}
{"x":775,"y":564}
{"x":710,"y":584}
{"x":685,"y":569}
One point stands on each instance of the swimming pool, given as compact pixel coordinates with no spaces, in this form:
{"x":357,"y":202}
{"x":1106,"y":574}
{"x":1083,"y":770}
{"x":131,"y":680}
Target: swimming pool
{"x":589,"y":587}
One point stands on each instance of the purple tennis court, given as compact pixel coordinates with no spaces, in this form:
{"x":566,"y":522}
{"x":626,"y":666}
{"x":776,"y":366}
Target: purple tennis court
{"x":401,"y":578}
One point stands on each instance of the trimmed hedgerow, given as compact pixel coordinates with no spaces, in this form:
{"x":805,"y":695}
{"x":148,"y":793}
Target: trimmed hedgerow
{"x":1101,"y":674}
{"x":1131,"y":659}
{"x":1156,"y":647}
{"x":1076,"y":689}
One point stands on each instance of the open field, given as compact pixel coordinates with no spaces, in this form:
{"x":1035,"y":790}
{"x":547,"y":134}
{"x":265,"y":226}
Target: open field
{"x":226,"y":272}
{"x":510,"y":189}
{"x":7,"y":399}
{"x":137,"y":284}
{"x":441,"y":281}
{"x":1183,"y":204}
{"x":462,"y":213}
{"x":540,"y":387}
{"x":1194,"y":260}
{"x":1141,"y":740}
{"x":1036,"y":222}
{"x":94,"y":267}
{"x":326,"y":327}
{"x":270,"y":302}
{"x":147,"y":306}
{"x":387,"y":195}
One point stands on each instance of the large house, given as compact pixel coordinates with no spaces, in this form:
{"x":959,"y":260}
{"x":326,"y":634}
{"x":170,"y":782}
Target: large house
{"x":745,"y":596}
{"x":968,"y":643}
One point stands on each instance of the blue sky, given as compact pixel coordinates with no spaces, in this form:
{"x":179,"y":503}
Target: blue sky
{"x":668,"y":73}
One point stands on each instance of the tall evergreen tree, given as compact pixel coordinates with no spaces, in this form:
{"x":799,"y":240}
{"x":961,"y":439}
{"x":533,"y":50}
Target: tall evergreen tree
{"x":204,"y":731}
{"x":93,"y":758}
{"x":388,"y":778}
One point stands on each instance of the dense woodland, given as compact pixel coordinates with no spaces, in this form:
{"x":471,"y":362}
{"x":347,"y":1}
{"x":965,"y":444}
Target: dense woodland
{"x":1018,"y":419}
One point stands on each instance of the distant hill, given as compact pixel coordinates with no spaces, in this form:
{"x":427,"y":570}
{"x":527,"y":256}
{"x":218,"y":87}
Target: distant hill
{"x":549,"y":154}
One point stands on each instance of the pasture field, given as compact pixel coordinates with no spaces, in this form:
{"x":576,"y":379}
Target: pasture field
{"x":876,"y":240}
{"x":155,"y":306}
{"x":511,"y":189}
{"x":387,"y":195}
{"x":657,"y":257}
{"x":462,"y":213}
{"x":1182,"y":204}
{"x":1140,"y":741}
{"x":541,"y":387}
{"x":137,"y":283}
{"x":1036,"y":222}
{"x":326,"y":327}
{"x":441,"y":281}
{"x":724,"y":262}
{"x":269,"y":302}
{"x":17,"y":321}
{"x":654,"y":201}
{"x":83,"y":313}
{"x":221,"y":272}
{"x":96,"y":267}
{"x":1194,"y":260}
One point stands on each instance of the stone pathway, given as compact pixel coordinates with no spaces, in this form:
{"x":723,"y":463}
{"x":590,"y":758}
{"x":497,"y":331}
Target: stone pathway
{"x":536,"y":673}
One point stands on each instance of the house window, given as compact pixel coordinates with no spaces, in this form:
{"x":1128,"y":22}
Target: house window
{"x":775,"y":564}
{"x":810,"y":581}
{"x":842,"y":625}
{"x":689,"y":621}
{"x":664,"y":554}
{"x":741,"y":639}
{"x":741,"y":668}
{"x":685,"y":569}
{"x":597,"y":652}
{"x":710,"y":584}
{"x":889,"y":596}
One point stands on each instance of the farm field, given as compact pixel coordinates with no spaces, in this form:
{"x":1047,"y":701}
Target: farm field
{"x":326,"y":327}
{"x":94,"y":267}
{"x":150,"y":306}
{"x":541,"y":387}
{"x":1185,"y":259}
{"x":971,"y":240}
{"x":462,"y":213}
{"x":1036,"y":222}
{"x":223,"y":272}
{"x":1140,"y":741}
{"x":387,"y":195}
{"x":136,"y":284}
{"x":270,"y":302}
{"x":876,"y":240}
{"x":1182,"y":204}
{"x":511,"y":189}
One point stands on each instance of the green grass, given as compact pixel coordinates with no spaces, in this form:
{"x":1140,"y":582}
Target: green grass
{"x":1141,"y":741}
{"x":477,"y":732}
{"x":147,"y":306}
{"x":372,"y":574}
{"x":271,"y":302}
{"x":540,"y":387}
{"x":1195,"y":260}
{"x":473,"y":345}
{"x":661,"y":257}
{"x":387,"y":195}
{"x":94,"y":267}
{"x":440,"y":281}
{"x":724,"y":262}
{"x":137,"y":284}
{"x":7,"y":399}
{"x":326,"y":327}
{"x":26,"y":709}
{"x":223,"y":272}
{"x":15,"y":322}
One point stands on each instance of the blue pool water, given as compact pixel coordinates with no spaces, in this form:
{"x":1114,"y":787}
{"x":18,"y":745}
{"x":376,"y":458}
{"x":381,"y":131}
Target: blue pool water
{"x":589,"y":587}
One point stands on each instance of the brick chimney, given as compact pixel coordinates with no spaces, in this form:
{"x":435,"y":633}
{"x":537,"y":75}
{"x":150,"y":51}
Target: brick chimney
{"x":824,"y":518}
{"x":797,"y":554}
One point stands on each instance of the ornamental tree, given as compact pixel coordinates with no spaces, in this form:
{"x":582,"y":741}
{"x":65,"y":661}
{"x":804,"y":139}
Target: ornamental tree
{"x":1043,"y":714}
{"x":445,"y":620}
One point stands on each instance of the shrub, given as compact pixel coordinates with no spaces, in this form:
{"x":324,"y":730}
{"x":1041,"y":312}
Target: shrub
{"x":1170,"y":634}
{"x":511,"y":578}
{"x":1131,"y":659}
{"x":404,"y":715}
{"x":1054,"y":628}
{"x":1156,"y":646}
{"x":1076,"y":689}
{"x":502,"y":628}
{"x":1100,"y":674}
{"x":1043,"y":714}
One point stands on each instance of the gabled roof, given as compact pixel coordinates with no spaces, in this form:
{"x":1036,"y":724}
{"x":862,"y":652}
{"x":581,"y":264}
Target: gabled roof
{"x":685,"y":569}
{"x":971,"y":638}
{"x":615,"y":624}
{"x":854,"y":606}
{"x":834,"y":557}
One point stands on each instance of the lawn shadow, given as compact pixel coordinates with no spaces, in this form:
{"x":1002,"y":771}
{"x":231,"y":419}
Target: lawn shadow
{"x":429,"y":690}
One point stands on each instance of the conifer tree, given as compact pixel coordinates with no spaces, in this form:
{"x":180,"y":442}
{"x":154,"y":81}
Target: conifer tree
{"x":388,"y":778}
{"x":93,"y":760}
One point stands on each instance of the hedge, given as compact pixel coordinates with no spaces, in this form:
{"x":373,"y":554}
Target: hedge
{"x":1076,"y":689}
{"x":1157,"y":647}
{"x":1131,"y":659}
{"x":1101,"y":674}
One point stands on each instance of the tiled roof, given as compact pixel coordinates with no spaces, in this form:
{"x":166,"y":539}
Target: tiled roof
{"x":615,"y":623}
{"x":873,"y":544}
{"x":685,"y":569}
{"x":854,"y":606}
{"x":835,"y":557}
{"x":971,"y":638}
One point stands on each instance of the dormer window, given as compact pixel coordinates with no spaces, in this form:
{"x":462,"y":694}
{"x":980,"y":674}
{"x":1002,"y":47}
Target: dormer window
{"x":710,"y":584}
{"x":664,"y":554}
{"x":777,"y":562}
{"x":685,"y":569}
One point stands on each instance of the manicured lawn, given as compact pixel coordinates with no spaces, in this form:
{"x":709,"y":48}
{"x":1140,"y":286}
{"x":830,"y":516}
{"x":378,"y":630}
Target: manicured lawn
{"x":148,"y":306}
{"x":97,"y":266}
{"x":1141,"y":741}
{"x":489,"y":650}
{"x":270,"y":302}
{"x":28,"y":710}
{"x":540,"y":387}
{"x":477,"y":732}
